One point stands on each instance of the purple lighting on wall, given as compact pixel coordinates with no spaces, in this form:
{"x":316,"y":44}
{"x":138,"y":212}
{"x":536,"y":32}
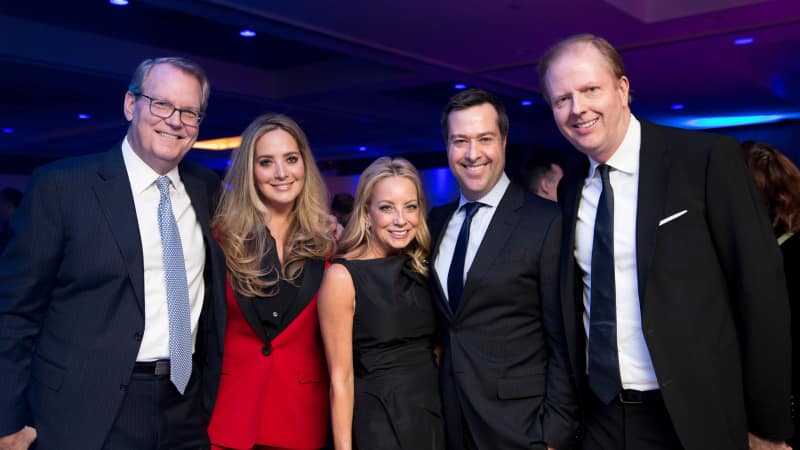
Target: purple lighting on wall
{"x":247,"y":33}
{"x":526,"y":102}
{"x":743,"y":41}
{"x":459,"y":86}
{"x":8,"y":130}
{"x":677,"y":106}
{"x":118,"y":2}
{"x":83,"y":116}
{"x":362,"y":149}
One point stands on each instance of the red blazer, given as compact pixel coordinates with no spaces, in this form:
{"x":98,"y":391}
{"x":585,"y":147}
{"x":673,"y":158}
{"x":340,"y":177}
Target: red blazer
{"x":280,"y":398}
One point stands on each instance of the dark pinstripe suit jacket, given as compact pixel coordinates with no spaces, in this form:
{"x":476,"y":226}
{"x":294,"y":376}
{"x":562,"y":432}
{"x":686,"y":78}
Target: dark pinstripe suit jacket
{"x":72,"y":300}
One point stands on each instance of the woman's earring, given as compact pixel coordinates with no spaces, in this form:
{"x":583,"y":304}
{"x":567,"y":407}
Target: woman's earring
{"x":367,"y":226}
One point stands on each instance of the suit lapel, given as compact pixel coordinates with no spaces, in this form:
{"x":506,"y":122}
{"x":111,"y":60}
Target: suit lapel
{"x":199,"y":195}
{"x":654,"y":167}
{"x":571,"y":295}
{"x":503,"y":222}
{"x":309,"y":284}
{"x":113,"y":191}
{"x":439,"y":231}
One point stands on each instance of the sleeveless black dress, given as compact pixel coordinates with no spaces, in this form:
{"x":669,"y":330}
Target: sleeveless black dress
{"x":397,"y":403}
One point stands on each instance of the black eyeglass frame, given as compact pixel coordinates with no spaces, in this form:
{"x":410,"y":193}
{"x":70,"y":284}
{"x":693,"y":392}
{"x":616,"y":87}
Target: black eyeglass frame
{"x":181,"y":112}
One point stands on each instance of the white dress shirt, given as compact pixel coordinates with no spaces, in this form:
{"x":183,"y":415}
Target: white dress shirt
{"x":636,"y":366}
{"x":155,"y":342}
{"x":477,"y":229}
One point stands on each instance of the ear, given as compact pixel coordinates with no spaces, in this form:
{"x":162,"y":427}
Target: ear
{"x":129,"y":104}
{"x":624,"y":87}
{"x":545,"y":185}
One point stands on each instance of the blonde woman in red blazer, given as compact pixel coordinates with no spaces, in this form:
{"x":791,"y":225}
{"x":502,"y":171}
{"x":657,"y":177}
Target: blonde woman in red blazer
{"x":273,"y":225}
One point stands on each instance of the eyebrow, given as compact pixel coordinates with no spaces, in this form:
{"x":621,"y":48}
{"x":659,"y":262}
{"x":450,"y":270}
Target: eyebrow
{"x":481,"y":134}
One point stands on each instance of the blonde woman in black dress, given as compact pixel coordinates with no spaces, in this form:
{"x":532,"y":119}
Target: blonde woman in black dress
{"x":378,"y":321}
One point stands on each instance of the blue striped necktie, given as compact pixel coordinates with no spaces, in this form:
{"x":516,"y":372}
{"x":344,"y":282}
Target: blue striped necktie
{"x":180,"y":332}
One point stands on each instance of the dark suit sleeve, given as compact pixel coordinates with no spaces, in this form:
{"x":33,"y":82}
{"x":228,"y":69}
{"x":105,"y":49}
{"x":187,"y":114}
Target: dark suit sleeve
{"x":27,"y":271}
{"x":561,"y":406}
{"x":750,"y":256}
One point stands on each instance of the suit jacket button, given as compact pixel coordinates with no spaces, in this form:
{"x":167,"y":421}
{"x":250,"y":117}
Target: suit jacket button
{"x":266,"y":350}
{"x":137,"y":336}
{"x":123,"y":387}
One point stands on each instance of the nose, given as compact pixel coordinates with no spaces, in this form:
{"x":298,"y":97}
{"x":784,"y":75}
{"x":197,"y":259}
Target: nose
{"x":174,"y":120}
{"x":399,"y":217}
{"x":577,"y":105}
{"x":280,"y":171}
{"x":472,"y":151}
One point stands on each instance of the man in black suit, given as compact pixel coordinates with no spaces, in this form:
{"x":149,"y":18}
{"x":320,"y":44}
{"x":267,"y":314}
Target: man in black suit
{"x":504,"y":376}
{"x":674,"y":300}
{"x":112,"y":306}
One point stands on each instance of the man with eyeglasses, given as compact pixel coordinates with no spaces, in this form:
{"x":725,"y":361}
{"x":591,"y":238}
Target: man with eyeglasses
{"x":112,"y":304}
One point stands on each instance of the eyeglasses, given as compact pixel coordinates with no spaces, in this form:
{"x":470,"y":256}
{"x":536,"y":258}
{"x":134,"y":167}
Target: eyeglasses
{"x":165,"y":110}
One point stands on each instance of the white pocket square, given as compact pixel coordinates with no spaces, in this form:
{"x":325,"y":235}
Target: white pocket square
{"x":672,"y":217}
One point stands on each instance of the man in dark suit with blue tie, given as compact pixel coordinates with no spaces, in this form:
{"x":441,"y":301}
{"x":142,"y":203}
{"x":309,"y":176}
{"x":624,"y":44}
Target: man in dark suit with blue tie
{"x":504,"y":374}
{"x":674,"y":300}
{"x":112,"y":305}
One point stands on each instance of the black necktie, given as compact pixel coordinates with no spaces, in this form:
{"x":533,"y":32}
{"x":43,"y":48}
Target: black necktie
{"x":455,"y":277}
{"x":604,"y":378}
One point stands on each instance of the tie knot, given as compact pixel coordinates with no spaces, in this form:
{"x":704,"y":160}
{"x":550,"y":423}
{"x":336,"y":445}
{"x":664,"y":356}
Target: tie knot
{"x":604,"y":169}
{"x":470,"y":208}
{"x":163,"y":184}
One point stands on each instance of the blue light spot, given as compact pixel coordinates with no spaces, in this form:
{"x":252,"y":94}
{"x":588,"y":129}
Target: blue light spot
{"x":743,"y":41}
{"x":247,"y":33}
{"x":118,"y":2}
{"x":677,"y":106}
{"x":459,"y":86}
{"x":84,"y":116}
{"x":734,"y":121}
{"x":8,"y":130}
{"x":362,"y":149}
{"x":526,"y":102}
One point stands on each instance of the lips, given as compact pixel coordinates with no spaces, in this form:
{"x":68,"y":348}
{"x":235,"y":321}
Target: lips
{"x":474,"y":167}
{"x":166,"y":135}
{"x":399,"y":234}
{"x":283,"y":186}
{"x":584,"y":125}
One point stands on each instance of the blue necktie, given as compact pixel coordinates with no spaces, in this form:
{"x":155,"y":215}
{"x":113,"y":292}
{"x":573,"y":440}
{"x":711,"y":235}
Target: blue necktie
{"x":604,"y":377}
{"x":455,"y":277}
{"x":180,"y":332}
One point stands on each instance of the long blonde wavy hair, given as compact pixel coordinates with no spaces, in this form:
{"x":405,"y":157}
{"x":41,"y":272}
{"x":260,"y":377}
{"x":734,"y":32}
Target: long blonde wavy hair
{"x":357,"y":238}
{"x":240,"y":221}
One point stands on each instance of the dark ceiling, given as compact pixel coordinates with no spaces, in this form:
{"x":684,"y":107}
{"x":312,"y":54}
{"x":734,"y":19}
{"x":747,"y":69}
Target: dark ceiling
{"x":366,"y":79}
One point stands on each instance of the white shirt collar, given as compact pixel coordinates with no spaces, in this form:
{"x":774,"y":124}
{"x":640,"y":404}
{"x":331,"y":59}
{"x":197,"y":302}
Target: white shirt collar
{"x":626,"y":158}
{"x":140,"y":174}
{"x":493,"y":197}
